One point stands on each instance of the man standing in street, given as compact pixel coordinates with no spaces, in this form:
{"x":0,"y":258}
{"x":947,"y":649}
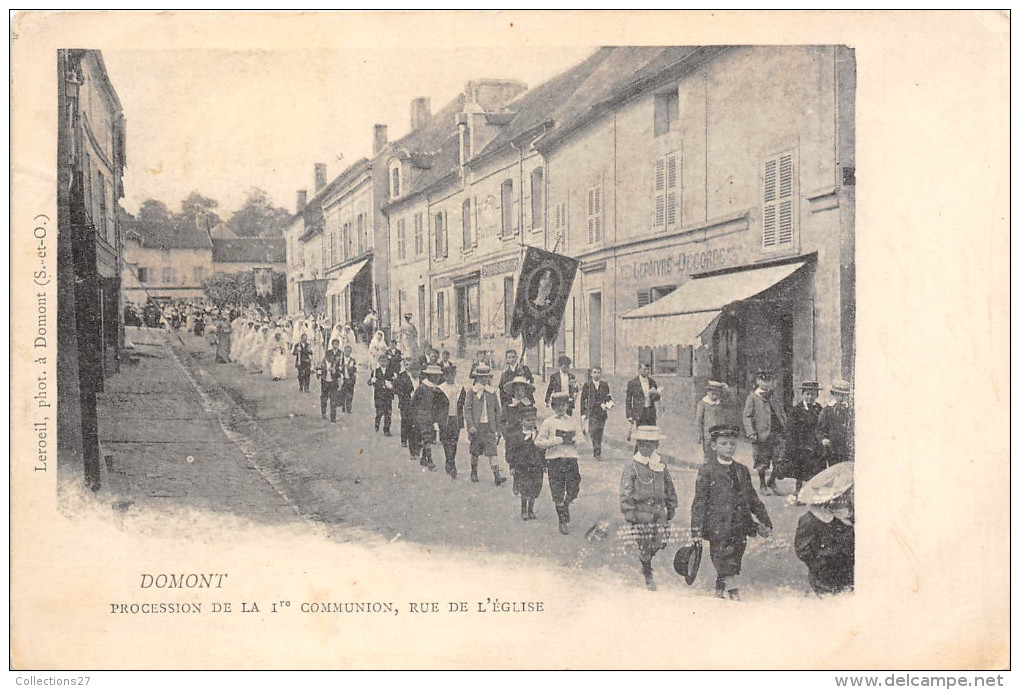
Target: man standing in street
{"x":596,"y":401}
{"x":764,"y":424}
{"x":836,"y":425}
{"x":514,"y":368}
{"x":642,"y":396}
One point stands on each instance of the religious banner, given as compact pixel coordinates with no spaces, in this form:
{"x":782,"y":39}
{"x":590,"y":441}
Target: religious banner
{"x":542,"y":291}
{"x":263,"y":282}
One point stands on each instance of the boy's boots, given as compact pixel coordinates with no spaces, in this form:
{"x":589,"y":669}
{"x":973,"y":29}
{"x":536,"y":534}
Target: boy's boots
{"x":734,"y":594}
{"x":474,"y":469}
{"x":497,"y":476}
{"x":761,"y":483}
{"x":720,"y":588}
{"x":646,"y":570}
{"x":524,"y":508}
{"x":517,"y":489}
{"x":561,"y":512}
{"x":531,"y":509}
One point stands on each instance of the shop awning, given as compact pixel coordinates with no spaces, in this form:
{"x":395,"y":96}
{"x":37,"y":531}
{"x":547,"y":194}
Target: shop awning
{"x":339,"y":282}
{"x":682,"y":316}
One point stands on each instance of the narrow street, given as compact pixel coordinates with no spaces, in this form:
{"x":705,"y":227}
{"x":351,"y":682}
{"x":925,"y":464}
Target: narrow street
{"x":261,"y":451}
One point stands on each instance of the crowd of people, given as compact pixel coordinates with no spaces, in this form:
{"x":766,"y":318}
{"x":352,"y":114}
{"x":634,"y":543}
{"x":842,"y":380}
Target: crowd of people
{"x":809,"y":443}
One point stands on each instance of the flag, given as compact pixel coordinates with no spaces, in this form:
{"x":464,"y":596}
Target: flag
{"x":263,"y":281}
{"x":542,"y":291}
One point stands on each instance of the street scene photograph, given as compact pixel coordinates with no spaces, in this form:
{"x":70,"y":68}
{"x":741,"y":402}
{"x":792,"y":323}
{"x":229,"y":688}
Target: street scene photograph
{"x":510,"y":340}
{"x":594,"y":306}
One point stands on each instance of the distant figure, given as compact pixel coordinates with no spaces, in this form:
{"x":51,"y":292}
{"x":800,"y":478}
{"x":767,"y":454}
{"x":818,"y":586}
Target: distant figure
{"x":369,"y":325}
{"x":836,"y":424}
{"x":303,"y":363}
{"x":709,"y":413}
{"x":765,"y":424}
{"x":596,"y":401}
{"x":408,"y":338}
{"x":382,"y":382}
{"x":563,"y":381}
{"x":377,"y":348}
{"x":643,"y":394}
{"x":802,"y":445}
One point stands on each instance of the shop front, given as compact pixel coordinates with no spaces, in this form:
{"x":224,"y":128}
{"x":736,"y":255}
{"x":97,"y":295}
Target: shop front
{"x":726,"y":324}
{"x":349,"y":292}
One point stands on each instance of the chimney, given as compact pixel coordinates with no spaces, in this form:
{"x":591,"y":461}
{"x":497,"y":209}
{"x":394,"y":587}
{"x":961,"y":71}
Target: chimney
{"x":380,"y":141}
{"x":421,"y":111}
{"x":320,"y":177}
{"x":302,"y":199}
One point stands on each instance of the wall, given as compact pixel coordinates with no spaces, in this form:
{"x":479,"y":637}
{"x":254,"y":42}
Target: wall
{"x":183,"y":262}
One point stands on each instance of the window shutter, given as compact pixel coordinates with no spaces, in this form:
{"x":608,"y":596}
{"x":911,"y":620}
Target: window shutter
{"x":598,"y":214}
{"x":786,"y":199}
{"x":591,"y":219}
{"x":671,"y":187}
{"x":660,"y":192}
{"x":778,"y":201}
{"x":768,"y":237}
{"x":446,"y":233}
{"x":644,"y":297}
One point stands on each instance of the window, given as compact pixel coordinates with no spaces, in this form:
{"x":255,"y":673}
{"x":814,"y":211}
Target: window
{"x":401,"y":240}
{"x":778,"y":222}
{"x":653,"y":294}
{"x":667,"y":173}
{"x":442,"y":235}
{"x":595,"y":215}
{"x":537,"y":197}
{"x":143,"y":275}
{"x":667,"y":112}
{"x":168,"y":275}
{"x":419,"y":235}
{"x":508,"y":303}
{"x":559,"y":234}
{"x":506,"y":196}
{"x":465,"y":220}
{"x":199,"y":272}
{"x":395,"y":183}
{"x":440,"y":315}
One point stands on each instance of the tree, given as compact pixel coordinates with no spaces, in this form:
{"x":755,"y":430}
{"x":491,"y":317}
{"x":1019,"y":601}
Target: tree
{"x":153,"y":212}
{"x":258,"y":217}
{"x":230,"y":289}
{"x":197,"y":210}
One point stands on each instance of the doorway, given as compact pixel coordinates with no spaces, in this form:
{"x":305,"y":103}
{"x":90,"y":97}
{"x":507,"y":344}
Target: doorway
{"x":595,"y":330}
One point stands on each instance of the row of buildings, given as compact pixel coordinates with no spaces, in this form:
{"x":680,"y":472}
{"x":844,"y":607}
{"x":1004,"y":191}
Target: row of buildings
{"x":175,"y":265}
{"x":708,"y":193}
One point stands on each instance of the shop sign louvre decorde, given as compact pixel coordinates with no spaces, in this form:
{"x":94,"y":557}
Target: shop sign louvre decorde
{"x":542,"y":290}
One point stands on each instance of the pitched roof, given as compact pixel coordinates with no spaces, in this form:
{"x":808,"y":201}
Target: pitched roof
{"x":170,"y":235}
{"x":249,"y":250}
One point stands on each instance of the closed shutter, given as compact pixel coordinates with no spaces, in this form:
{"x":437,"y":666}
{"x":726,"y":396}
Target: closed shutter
{"x":667,"y":191}
{"x":778,"y":222}
{"x":644,"y":297}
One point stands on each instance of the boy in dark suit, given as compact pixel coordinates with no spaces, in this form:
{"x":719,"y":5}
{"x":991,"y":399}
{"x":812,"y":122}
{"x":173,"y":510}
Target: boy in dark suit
{"x":596,"y":401}
{"x":350,"y":371}
{"x":726,"y":510}
{"x":381,"y":381}
{"x":836,"y":424}
{"x":563,"y":381}
{"x":514,"y":368}
{"x":765,"y":424}
{"x":642,"y":396}
{"x":303,"y":363}
{"x":802,"y":443}
{"x":330,"y":376}
{"x":429,"y":407}
{"x":404,"y":386}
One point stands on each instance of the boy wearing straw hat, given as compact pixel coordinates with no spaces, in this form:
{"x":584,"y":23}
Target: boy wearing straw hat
{"x":803,"y":445}
{"x":559,"y":436}
{"x":647,"y":498}
{"x":482,"y":418}
{"x":825,"y":534}
{"x":519,"y":429}
{"x":726,"y":510}
{"x":835,"y":425}
{"x":429,"y":407}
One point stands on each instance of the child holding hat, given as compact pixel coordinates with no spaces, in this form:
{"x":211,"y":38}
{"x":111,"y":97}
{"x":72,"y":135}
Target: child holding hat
{"x":559,"y":436}
{"x":519,"y":429}
{"x":726,"y":510}
{"x":647,"y":498}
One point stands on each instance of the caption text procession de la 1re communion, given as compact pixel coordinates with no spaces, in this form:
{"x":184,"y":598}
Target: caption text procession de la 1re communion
{"x":216,"y":581}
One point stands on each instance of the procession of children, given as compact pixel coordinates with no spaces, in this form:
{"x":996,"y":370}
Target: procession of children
{"x":808,"y":443}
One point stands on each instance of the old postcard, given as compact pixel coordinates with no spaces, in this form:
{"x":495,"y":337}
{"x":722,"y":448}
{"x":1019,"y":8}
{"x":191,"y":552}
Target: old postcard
{"x":500,"y":340}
